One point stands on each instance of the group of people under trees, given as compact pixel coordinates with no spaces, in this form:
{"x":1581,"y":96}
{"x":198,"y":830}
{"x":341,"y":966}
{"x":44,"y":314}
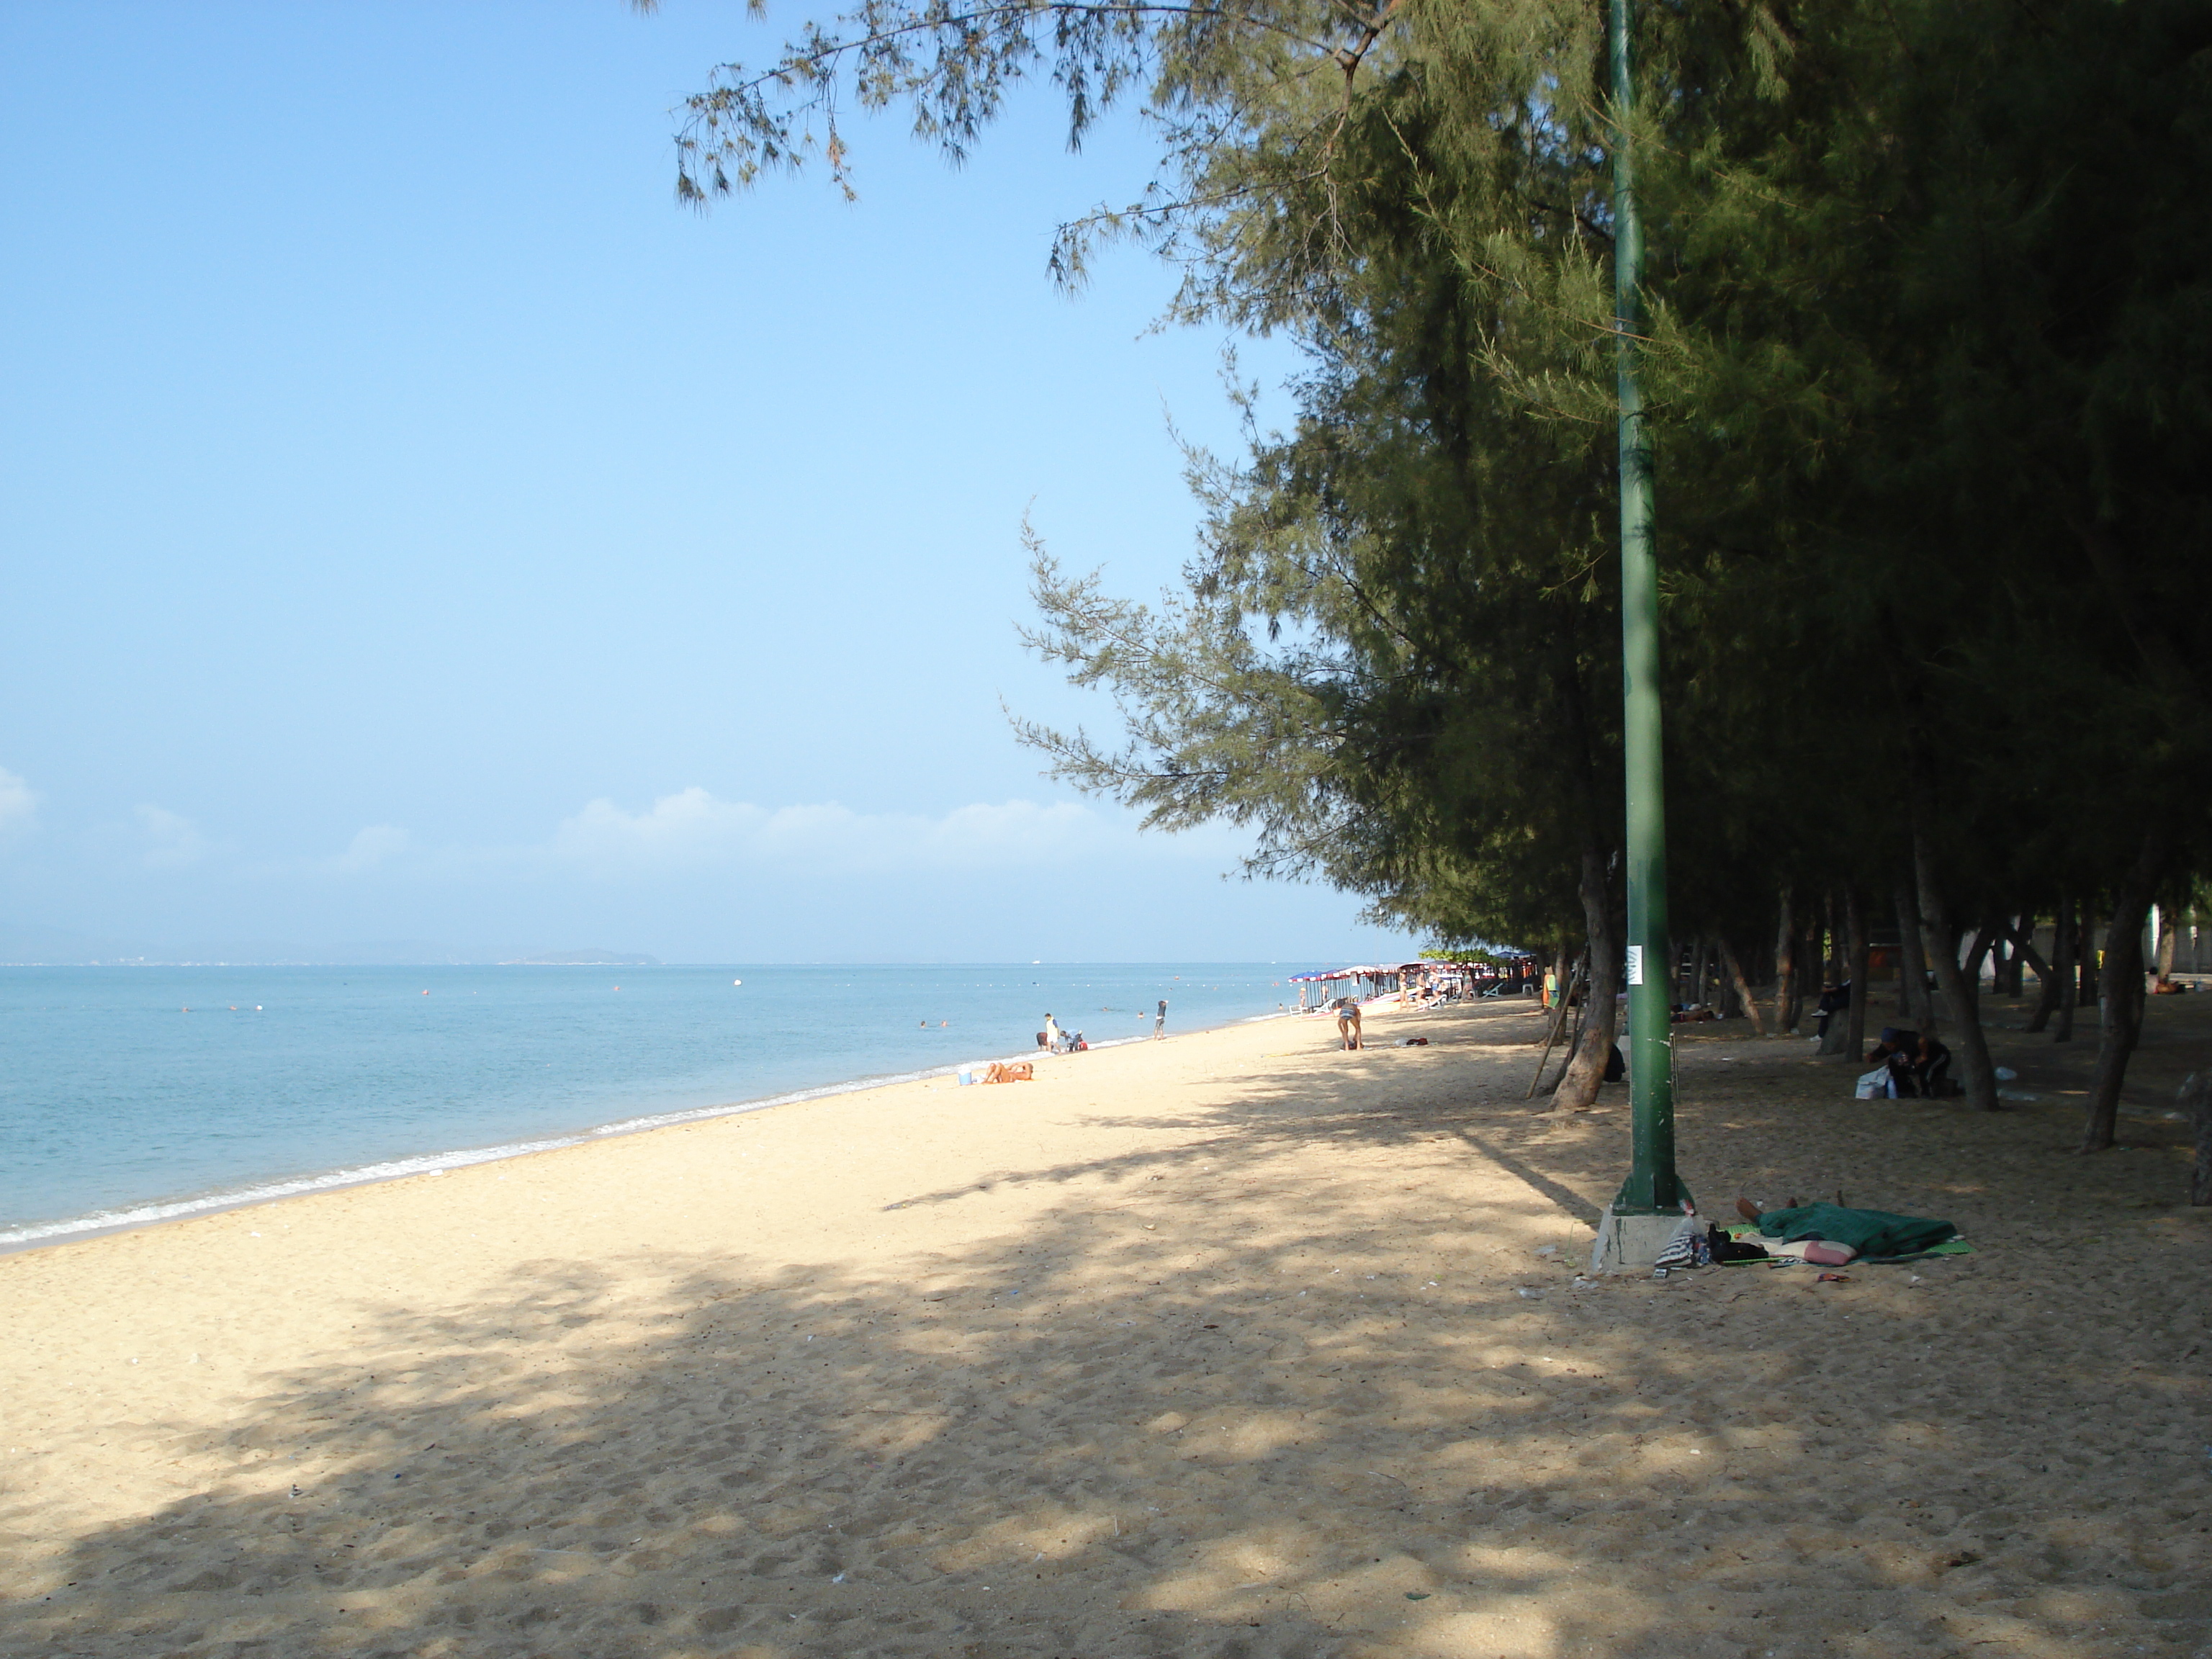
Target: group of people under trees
{"x":1918,"y":1064}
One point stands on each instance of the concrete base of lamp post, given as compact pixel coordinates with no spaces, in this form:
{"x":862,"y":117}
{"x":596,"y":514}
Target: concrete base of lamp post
{"x":1630,"y":1243}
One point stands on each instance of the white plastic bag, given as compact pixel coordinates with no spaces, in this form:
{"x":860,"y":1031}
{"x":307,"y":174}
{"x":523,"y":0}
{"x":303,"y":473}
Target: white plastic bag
{"x":1877,"y":1084}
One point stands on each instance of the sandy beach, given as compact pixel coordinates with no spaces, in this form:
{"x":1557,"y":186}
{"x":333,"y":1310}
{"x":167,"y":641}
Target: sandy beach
{"x":1227,"y":1345}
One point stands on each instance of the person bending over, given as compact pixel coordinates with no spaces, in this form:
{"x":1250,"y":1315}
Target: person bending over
{"x":1918,"y":1065}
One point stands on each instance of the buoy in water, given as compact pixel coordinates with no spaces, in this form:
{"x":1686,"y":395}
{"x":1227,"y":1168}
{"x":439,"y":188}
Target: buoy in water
{"x":737,"y":982}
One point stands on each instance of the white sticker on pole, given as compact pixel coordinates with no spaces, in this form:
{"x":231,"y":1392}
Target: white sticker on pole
{"x":1636,"y":964}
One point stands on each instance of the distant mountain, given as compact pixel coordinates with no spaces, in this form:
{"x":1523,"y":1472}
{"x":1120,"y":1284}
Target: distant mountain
{"x":584,"y":959}
{"x":27,"y":946}
{"x":24,"y":945}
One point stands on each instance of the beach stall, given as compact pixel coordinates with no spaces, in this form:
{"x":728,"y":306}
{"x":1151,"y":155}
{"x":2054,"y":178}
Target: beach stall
{"x":1369,"y":982}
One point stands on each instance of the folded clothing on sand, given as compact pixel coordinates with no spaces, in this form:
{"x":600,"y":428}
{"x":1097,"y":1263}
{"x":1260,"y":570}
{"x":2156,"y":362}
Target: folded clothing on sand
{"x":1874,"y":1234}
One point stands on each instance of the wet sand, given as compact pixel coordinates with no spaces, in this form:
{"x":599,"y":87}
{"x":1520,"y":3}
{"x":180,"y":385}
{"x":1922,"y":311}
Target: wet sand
{"x":1230,"y":1345}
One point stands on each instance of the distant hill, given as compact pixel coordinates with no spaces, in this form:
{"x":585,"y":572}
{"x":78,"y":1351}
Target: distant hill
{"x":24,"y":945}
{"x":585,"y":959}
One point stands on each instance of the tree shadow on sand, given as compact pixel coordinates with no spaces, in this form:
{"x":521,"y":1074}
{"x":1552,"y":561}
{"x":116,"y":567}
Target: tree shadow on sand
{"x":1302,"y":1386}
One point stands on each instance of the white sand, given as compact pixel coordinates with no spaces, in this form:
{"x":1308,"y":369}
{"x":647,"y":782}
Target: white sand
{"x":1217,"y":1345}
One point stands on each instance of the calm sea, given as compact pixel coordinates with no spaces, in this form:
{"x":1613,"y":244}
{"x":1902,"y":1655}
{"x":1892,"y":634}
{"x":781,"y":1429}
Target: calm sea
{"x":132,"y":1094}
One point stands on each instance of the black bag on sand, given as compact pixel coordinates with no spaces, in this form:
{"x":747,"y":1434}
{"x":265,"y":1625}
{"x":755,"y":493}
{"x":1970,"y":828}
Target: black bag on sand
{"x":1725,"y":1248}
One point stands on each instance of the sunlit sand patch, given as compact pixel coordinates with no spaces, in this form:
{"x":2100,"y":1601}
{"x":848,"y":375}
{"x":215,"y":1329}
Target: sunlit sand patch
{"x":1011,"y":1433}
{"x":1512,"y":1628}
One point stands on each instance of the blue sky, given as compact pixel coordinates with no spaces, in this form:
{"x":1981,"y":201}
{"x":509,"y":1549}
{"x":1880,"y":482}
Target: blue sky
{"x":416,"y":526}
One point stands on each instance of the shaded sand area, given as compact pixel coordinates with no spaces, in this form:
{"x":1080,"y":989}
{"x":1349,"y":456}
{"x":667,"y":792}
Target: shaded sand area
{"x":1230,"y":1345}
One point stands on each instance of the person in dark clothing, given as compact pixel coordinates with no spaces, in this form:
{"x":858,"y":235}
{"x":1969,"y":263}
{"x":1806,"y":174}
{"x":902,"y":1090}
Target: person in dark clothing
{"x":1933,"y":1068}
{"x":1835,"y":999}
{"x":1920,"y":1066}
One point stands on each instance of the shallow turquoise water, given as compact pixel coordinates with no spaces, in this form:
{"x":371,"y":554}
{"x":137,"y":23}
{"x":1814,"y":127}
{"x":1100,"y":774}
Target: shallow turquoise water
{"x":130,"y":1093}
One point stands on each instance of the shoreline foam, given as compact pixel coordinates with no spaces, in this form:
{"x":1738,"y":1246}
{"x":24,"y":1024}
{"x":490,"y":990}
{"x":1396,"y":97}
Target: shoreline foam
{"x":100,"y":1223}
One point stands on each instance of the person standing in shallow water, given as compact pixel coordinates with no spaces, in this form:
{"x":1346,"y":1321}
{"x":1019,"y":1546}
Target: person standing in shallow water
{"x":1160,"y":1019}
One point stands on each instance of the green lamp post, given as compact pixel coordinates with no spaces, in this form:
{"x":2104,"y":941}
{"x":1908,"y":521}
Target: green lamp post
{"x":1653,"y":1194}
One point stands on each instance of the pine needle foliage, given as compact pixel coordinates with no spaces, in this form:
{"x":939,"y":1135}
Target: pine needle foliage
{"x":1929,"y":344}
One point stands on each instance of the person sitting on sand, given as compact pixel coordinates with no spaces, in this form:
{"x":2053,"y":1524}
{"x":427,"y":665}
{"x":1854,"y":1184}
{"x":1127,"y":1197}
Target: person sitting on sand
{"x":1919,"y":1066}
{"x":1347,"y":1022}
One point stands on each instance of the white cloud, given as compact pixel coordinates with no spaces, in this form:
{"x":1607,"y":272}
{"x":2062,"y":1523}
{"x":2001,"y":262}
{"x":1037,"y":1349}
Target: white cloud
{"x":169,"y":840}
{"x":692,"y":834}
{"x":687,"y":827}
{"x":18,"y":800}
{"x":371,"y":848}
{"x":692,"y":829}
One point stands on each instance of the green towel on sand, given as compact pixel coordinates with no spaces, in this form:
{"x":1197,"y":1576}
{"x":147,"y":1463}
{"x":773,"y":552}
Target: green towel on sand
{"x":1873,"y":1233}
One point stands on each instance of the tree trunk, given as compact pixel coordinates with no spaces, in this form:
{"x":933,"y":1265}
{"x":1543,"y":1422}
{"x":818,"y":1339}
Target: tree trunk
{"x":2053,"y":975}
{"x":1558,"y":1024}
{"x":1786,"y":973}
{"x":2086,"y":960}
{"x":1913,"y":1002}
{"x":2070,"y":977}
{"x":2196,"y":1101}
{"x":1742,"y":989}
{"x":1837,"y":1038}
{"x":1979,"y":1071}
{"x":2165,"y":949}
{"x":1855,"y":926}
{"x":1578,"y":1085}
{"x":1574,"y":1047}
{"x":2024,"y":955}
{"x":1986,"y":939}
{"x":1805,"y":947}
{"x":2119,"y":1023}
